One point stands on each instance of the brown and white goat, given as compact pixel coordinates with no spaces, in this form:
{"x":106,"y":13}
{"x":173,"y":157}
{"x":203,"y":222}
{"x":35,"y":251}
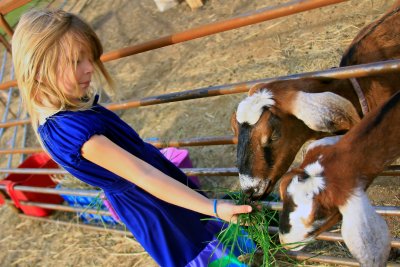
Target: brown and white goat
{"x":331,"y":181}
{"x":277,"y":118}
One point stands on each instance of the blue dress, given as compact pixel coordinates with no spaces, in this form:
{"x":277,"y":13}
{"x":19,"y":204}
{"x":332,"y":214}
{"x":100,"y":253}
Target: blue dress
{"x":172,"y":235}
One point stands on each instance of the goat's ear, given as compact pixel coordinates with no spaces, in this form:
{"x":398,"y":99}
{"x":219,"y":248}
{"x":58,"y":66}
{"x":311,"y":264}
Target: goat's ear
{"x":325,"y":112}
{"x":257,"y":88}
{"x":234,"y":124}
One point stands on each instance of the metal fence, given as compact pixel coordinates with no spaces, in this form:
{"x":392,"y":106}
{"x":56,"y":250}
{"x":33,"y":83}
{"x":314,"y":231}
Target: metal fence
{"x":227,"y":89}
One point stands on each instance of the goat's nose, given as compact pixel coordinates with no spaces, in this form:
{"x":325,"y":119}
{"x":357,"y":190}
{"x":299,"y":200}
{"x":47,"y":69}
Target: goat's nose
{"x":249,"y":192}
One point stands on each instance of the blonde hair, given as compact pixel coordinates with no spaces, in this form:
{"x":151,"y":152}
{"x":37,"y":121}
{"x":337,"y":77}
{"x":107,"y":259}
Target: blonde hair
{"x":47,"y":42}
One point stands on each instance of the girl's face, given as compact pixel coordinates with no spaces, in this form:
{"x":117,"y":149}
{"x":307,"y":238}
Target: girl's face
{"x":82,"y":76}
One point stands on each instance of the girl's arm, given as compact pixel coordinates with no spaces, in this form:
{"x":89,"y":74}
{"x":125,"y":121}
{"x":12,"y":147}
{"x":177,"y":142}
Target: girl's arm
{"x":103,"y":152}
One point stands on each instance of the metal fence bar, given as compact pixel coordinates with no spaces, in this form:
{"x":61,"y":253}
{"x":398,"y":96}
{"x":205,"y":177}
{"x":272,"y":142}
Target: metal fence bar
{"x":382,"y":210}
{"x":23,"y":140}
{"x":302,"y":256}
{"x":286,"y":9}
{"x":356,"y":71}
{"x":394,"y":171}
{"x":362,"y":70}
{"x":60,"y":207}
{"x":14,"y":136}
{"x":209,"y":29}
{"x":6,"y":105}
{"x":326,"y":236}
{"x":196,"y":141}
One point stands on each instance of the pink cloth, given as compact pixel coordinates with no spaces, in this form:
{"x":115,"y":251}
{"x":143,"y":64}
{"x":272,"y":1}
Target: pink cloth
{"x":181,"y":159}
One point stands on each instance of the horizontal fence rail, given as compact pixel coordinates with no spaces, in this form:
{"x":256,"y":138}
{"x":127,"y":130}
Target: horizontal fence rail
{"x":218,"y":27}
{"x":232,"y":171}
{"x":213,"y":28}
{"x":326,"y":236}
{"x":356,"y":71}
{"x":383,"y":210}
{"x":196,"y":141}
{"x":295,"y":255}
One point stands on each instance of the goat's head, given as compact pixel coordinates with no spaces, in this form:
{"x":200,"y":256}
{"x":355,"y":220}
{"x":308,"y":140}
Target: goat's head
{"x":305,"y":211}
{"x":275,"y":120}
{"x":310,"y":203}
{"x":314,"y":201}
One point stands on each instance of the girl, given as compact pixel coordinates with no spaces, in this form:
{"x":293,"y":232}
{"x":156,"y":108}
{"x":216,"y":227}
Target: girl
{"x":56,"y":57}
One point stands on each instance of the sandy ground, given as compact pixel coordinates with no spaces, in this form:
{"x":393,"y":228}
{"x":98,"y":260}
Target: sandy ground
{"x":299,"y":43}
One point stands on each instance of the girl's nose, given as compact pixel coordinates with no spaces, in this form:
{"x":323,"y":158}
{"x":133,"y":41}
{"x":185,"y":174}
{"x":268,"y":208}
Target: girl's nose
{"x":88,"y":66}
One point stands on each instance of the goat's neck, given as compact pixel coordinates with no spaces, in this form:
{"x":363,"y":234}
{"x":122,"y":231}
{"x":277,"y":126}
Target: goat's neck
{"x":373,"y":143}
{"x":364,"y":231}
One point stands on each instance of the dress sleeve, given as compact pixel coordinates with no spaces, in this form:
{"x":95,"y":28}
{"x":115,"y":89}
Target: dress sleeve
{"x":64,"y":135}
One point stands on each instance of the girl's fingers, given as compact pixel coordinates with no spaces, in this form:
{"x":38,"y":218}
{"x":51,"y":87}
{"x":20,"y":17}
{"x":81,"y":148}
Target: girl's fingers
{"x":242,"y":209}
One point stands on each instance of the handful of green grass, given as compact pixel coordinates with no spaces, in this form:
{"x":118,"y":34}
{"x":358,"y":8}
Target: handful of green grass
{"x":255,"y":226}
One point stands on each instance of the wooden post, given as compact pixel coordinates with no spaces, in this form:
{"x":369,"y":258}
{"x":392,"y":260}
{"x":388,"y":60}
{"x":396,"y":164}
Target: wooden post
{"x":194,"y":3}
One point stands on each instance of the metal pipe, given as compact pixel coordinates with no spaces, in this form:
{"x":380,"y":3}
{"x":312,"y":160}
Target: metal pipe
{"x":28,"y":150}
{"x":62,"y":207}
{"x":382,"y":210}
{"x":14,"y":136}
{"x":3,"y":65}
{"x":65,"y":208}
{"x":8,"y":84}
{"x":83,"y":226}
{"x":196,"y":141}
{"x":7,"y":6}
{"x":222,"y":26}
{"x":23,"y":140}
{"x":327,"y":236}
{"x":5,"y":26}
{"x":188,"y":171}
{"x":362,"y":70}
{"x":209,"y":29}
{"x":6,"y":44}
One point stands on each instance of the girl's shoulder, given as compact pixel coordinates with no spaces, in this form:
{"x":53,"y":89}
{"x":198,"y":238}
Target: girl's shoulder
{"x":68,"y":123}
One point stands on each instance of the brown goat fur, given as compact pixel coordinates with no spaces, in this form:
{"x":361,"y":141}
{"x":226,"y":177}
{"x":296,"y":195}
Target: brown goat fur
{"x":269,"y":146}
{"x":329,"y":180}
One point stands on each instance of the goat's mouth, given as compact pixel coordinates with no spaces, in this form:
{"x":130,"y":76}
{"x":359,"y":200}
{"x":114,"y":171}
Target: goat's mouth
{"x":254,"y":187}
{"x":296,"y":245}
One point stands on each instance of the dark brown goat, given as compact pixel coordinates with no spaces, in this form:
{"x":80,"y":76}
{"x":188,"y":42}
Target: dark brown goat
{"x":331,"y":181}
{"x":277,"y":118}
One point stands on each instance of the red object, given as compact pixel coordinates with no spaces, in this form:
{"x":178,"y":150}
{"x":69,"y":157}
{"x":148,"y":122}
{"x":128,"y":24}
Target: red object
{"x":39,"y":160}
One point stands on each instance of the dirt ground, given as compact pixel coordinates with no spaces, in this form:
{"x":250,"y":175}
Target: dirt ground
{"x":309,"y":41}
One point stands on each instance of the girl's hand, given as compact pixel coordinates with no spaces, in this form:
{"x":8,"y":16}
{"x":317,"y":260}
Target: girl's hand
{"x":228,"y":211}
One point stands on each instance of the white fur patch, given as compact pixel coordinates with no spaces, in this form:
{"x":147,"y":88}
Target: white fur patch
{"x":253,"y":183}
{"x":251,"y":108}
{"x":365,"y":233}
{"x":302,"y":193}
{"x":326,"y":112}
{"x":309,"y":187}
{"x":326,"y":141}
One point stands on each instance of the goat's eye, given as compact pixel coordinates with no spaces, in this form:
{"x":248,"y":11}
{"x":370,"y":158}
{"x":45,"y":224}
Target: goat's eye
{"x":274,"y":136}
